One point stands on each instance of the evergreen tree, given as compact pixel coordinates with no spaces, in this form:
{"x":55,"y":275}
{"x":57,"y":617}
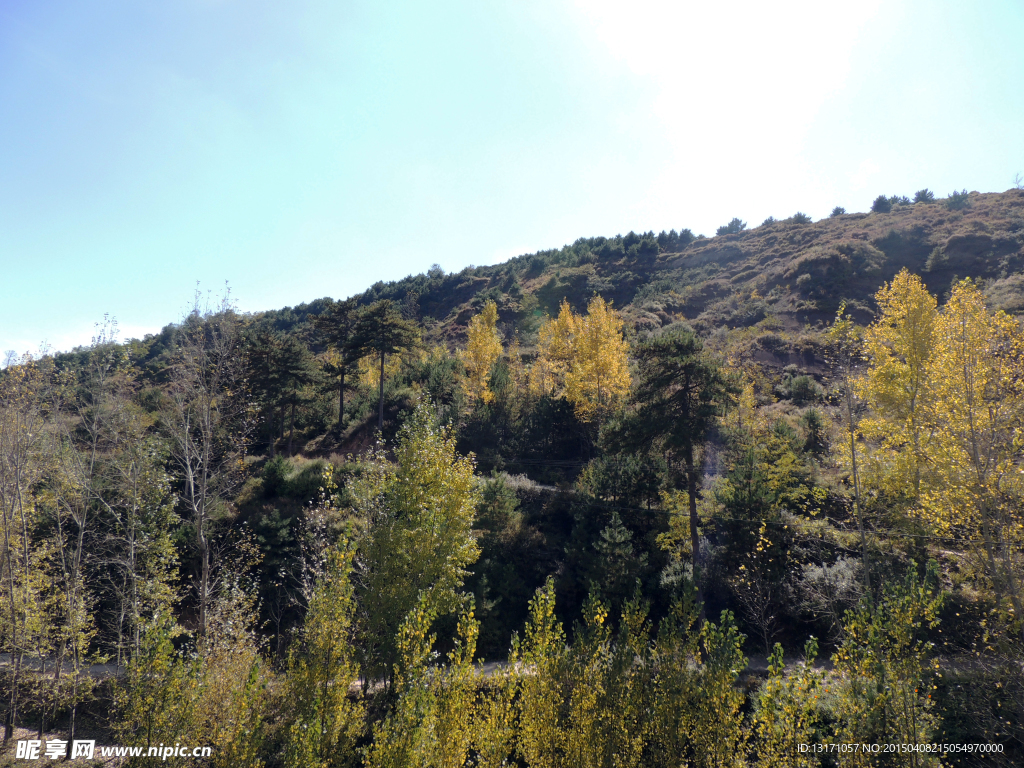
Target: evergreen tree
{"x":380,"y":330}
{"x":336,"y":325}
{"x":681,"y":392}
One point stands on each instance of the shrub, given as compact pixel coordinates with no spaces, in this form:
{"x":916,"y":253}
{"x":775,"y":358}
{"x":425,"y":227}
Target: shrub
{"x":769,"y":220}
{"x":275,"y":474}
{"x":924,"y":196}
{"x":800,"y":218}
{"x":837,"y":211}
{"x":800,"y":389}
{"x":732,"y":227}
{"x":899,"y":200}
{"x":957,"y":200}
{"x":881,"y":204}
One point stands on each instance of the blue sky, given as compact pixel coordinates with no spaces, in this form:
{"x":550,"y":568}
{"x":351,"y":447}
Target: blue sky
{"x":305,"y":149}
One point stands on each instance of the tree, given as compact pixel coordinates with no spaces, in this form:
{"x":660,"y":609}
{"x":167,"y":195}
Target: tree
{"x":321,"y":667}
{"x":837,"y":211}
{"x":924,"y":196}
{"x":957,"y":201}
{"x":732,"y":228}
{"x":297,"y":371}
{"x":483,"y":348}
{"x":418,"y":540}
{"x":583,"y":358}
{"x":899,"y":347}
{"x":844,"y":340}
{"x":22,"y":440}
{"x":554,"y":352}
{"x":336,"y":326}
{"x":598,"y":375}
{"x":381,"y":330}
{"x":681,"y":392}
{"x":975,"y":453}
{"x":881,"y":204}
{"x":886,"y":663}
{"x":207,"y":423}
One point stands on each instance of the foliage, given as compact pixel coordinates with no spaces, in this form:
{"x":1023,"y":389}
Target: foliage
{"x":786,"y":712}
{"x":483,"y":348}
{"x":957,"y":201}
{"x":321,"y":668}
{"x":732,"y":227}
{"x":800,"y":218}
{"x":417,"y":539}
{"x":583,"y":358}
{"x":881,"y":204}
{"x":837,"y":211}
{"x":887,"y":668}
{"x":924,"y":196}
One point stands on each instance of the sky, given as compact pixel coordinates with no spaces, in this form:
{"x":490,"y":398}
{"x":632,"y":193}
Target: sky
{"x":306,"y":149}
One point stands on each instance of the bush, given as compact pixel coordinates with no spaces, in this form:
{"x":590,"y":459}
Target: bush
{"x":924,"y":196}
{"x":800,"y":389}
{"x":882,"y":204}
{"x":275,"y":474}
{"x":732,"y":227}
{"x":957,"y":200}
{"x":800,"y":218}
{"x":837,"y":211}
{"x":769,"y":220}
{"x":899,"y":200}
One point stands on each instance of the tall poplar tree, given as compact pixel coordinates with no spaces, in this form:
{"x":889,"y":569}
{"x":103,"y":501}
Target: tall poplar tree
{"x":483,"y":348}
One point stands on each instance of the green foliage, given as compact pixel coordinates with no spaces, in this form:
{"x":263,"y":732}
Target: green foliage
{"x":887,"y":668}
{"x":800,"y":218}
{"x":837,"y":211}
{"x":417,"y":541}
{"x":924,"y":196}
{"x":431,"y":723}
{"x":802,"y":389}
{"x":732,"y":228}
{"x":882,"y":204}
{"x":957,"y":201}
{"x":325,"y":722}
{"x":816,"y":439}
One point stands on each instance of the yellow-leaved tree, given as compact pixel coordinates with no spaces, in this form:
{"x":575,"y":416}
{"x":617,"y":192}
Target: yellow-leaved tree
{"x":555,"y":350}
{"x":976,"y":419}
{"x":897,"y":387}
{"x":483,"y":348}
{"x":584,"y":359}
{"x":946,"y":390}
{"x":598,"y":375}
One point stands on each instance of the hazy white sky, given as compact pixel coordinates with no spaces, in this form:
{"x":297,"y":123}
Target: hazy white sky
{"x":305,"y":149}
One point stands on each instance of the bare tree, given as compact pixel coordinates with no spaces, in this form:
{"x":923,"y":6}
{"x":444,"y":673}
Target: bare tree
{"x":208,"y":422}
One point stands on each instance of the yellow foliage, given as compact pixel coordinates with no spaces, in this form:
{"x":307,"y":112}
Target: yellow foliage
{"x":369,"y":369}
{"x":897,"y":388}
{"x":583,"y":358}
{"x":483,"y":348}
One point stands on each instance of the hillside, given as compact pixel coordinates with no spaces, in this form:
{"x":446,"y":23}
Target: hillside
{"x":667,"y":464}
{"x":780,"y":276}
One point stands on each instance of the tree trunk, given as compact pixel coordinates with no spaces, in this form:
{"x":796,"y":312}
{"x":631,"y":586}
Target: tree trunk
{"x":380,"y":415}
{"x":291,"y":430}
{"x":691,"y":492}
{"x":341,"y":402}
{"x":856,"y":490}
{"x":204,"y":580}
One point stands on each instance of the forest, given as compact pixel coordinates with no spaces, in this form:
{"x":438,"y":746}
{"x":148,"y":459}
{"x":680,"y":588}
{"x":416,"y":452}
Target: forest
{"x":649,"y":500}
